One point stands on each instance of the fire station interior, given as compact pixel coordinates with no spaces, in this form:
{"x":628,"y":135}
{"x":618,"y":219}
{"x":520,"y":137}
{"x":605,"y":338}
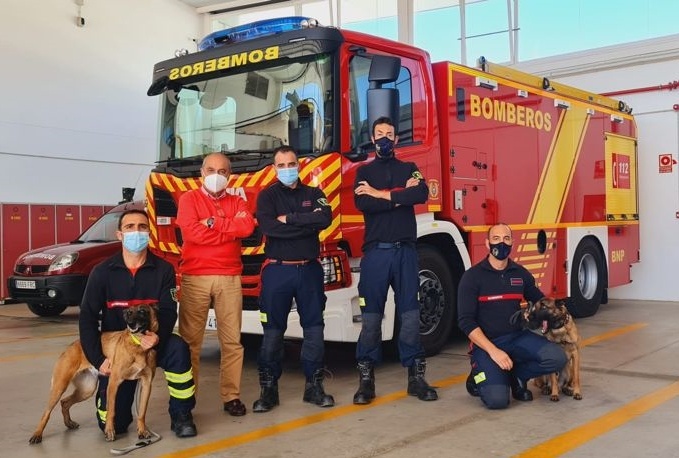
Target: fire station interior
{"x":77,"y":126}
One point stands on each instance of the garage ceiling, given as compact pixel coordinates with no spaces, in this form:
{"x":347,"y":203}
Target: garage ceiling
{"x":221,"y":3}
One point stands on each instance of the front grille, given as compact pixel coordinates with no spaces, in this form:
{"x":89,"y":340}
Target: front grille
{"x":21,"y":269}
{"x":250,"y":303}
{"x":253,"y":240}
{"x":252,"y":264}
{"x":165,"y":205}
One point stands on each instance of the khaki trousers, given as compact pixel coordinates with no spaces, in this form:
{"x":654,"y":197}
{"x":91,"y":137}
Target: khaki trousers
{"x":224,"y":292}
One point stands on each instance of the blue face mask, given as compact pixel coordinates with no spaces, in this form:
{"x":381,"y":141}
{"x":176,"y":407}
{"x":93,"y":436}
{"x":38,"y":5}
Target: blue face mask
{"x":135,"y":242}
{"x":287,"y":176}
{"x":384,"y":147}
{"x":500,"y":250}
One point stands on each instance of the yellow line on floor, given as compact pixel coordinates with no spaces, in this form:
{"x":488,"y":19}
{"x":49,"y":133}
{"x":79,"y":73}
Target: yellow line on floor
{"x":341,"y":411}
{"x":612,"y":334}
{"x":576,"y":437}
{"x":280,"y":428}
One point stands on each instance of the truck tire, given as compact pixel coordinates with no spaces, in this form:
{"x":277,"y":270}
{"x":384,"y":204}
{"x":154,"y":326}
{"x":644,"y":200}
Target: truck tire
{"x":587,"y":280}
{"x":437,"y":297}
{"x":41,"y":309}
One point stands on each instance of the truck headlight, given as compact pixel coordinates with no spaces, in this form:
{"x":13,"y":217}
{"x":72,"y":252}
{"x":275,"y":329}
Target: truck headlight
{"x":63,"y":262}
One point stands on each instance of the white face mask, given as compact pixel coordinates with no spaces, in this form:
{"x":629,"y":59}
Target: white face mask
{"x":215,"y":183}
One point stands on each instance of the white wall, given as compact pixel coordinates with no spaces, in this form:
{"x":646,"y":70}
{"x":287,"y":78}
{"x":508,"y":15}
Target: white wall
{"x":76,"y":124}
{"x":652,"y":63}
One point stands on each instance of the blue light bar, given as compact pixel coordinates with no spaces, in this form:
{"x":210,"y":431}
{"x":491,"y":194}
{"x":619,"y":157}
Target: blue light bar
{"x":255,"y":30}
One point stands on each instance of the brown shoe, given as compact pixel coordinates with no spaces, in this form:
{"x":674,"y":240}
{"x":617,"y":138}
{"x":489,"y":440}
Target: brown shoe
{"x":235,"y":408}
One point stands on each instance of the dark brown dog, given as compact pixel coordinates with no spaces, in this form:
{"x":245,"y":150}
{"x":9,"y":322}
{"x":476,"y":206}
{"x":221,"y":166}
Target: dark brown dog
{"x":128,"y":362}
{"x":551,"y":317}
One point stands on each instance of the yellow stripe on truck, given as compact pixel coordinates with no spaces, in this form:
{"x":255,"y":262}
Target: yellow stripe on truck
{"x":557,"y":174}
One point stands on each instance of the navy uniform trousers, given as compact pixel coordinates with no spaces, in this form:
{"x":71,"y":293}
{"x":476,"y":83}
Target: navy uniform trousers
{"x":281,"y":283}
{"x":385,"y":265}
{"x":532,"y":355}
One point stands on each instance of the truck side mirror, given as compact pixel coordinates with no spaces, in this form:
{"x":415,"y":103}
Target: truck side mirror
{"x":383,"y":101}
{"x":360,"y":154}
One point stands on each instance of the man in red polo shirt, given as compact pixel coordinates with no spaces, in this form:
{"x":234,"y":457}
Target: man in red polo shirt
{"x":212,"y":223}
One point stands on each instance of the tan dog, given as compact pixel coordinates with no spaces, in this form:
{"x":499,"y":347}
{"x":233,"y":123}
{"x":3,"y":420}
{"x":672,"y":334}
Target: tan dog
{"x":128,"y":362}
{"x":552,"y":318}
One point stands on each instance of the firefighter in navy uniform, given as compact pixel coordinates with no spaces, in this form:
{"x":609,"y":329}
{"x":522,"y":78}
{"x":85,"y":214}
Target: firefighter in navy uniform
{"x":129,"y":278}
{"x":503,"y":355}
{"x":291,"y":214}
{"x":386,"y":191}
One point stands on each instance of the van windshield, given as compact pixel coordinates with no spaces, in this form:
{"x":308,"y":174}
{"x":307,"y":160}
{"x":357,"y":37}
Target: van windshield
{"x":103,"y":230}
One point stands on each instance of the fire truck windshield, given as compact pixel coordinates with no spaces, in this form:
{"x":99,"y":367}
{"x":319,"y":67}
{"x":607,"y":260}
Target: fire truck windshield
{"x":246,"y":115}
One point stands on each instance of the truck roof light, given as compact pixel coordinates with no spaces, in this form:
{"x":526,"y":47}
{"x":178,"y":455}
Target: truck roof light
{"x":254,"y":30}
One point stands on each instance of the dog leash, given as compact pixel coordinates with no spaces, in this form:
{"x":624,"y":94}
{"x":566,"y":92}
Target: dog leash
{"x":141,"y":443}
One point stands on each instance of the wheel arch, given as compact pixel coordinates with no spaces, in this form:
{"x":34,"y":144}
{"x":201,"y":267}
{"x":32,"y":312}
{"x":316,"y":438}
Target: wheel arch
{"x":446,"y":238}
{"x":574,"y":236}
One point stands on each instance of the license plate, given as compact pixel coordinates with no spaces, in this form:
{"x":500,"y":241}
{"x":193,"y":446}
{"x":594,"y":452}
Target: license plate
{"x":25,"y":284}
{"x":211,"y":320}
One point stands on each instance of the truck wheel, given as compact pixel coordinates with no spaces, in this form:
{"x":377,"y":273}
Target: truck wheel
{"x":437,"y":299}
{"x":587,"y":280}
{"x":46,"y":309}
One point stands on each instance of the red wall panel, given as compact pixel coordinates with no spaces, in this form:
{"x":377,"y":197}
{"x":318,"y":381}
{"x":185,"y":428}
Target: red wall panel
{"x":89,"y":214}
{"x":43,"y":225}
{"x":68,"y":222}
{"x":15,"y":238}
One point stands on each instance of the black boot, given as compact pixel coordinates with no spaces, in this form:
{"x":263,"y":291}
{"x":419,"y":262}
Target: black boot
{"x":417,"y":385}
{"x":314,"y":393}
{"x":366,"y":383}
{"x":268,"y":397}
{"x":519,"y":388}
{"x":472,"y":389}
{"x":182,"y":425}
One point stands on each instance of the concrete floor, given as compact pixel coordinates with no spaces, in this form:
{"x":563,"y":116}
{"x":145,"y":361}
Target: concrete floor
{"x":630,"y":390}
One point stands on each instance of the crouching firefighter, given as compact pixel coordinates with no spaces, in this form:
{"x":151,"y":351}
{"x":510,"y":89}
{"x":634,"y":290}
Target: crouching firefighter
{"x":128,"y":278}
{"x":291,"y":215}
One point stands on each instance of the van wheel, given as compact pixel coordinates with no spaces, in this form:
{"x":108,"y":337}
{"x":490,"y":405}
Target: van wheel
{"x":587,"y":280}
{"x":437,"y":299}
{"x":41,"y":309}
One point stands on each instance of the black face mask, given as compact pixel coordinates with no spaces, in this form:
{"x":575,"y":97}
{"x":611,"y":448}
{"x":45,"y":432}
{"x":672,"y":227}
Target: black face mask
{"x":384,"y":147}
{"x":500,"y":250}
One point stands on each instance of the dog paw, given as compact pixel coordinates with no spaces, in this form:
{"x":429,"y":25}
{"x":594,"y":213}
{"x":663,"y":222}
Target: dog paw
{"x":577,"y":396}
{"x":72,"y":424}
{"x":567,"y":390}
{"x":143,"y":434}
{"x":110,"y":436}
{"x":35,"y":439}
{"x":554,"y":398}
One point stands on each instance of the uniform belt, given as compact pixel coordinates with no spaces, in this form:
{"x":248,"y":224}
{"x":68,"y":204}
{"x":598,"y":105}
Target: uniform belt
{"x":390,"y":245}
{"x":300,"y":262}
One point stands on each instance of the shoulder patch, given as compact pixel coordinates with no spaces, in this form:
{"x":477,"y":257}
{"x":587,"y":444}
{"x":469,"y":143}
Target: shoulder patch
{"x":175,"y":296}
{"x":418,"y":175}
{"x":323,"y":202}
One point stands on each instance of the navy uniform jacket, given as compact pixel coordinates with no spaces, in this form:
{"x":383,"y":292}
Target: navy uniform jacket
{"x":111,"y":288}
{"x":487,"y":298}
{"x":390,"y":221}
{"x":307,"y":213}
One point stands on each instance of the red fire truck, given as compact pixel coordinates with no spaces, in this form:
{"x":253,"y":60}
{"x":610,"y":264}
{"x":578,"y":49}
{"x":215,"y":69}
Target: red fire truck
{"x":495,"y":144}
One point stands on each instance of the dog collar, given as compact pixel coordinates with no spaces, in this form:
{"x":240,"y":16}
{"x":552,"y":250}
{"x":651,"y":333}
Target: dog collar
{"x":136,"y":340}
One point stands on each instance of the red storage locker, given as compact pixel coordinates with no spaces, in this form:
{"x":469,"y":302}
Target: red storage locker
{"x":15,"y":238}
{"x":43,"y":225}
{"x":68,"y":222}
{"x":89,"y":214}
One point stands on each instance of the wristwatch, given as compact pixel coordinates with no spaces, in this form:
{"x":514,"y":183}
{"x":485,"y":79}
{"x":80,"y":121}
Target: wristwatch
{"x":210,"y":222}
